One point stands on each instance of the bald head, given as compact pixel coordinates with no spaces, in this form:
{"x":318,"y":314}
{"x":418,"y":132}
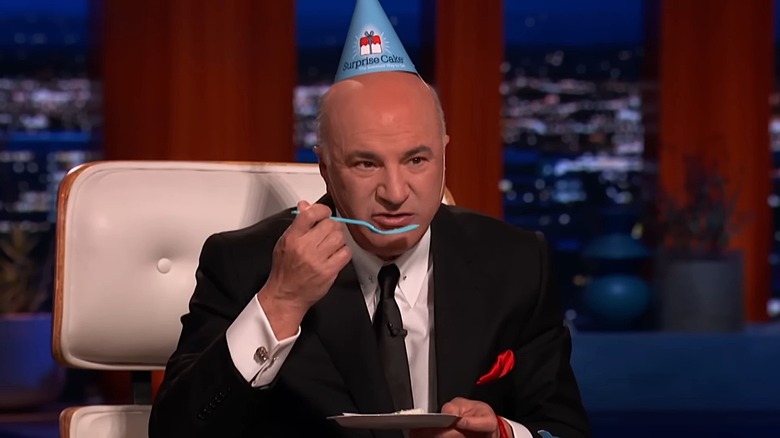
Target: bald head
{"x":377,"y":90}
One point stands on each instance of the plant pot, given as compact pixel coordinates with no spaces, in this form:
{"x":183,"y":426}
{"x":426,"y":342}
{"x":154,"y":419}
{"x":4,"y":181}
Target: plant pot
{"x":29,"y":375}
{"x":701,"y":294}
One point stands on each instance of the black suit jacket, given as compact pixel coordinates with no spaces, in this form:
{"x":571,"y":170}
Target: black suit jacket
{"x":491,"y":294}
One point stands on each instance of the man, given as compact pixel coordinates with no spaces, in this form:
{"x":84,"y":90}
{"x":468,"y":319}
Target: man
{"x":299,"y":318}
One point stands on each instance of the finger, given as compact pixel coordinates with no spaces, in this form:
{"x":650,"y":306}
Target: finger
{"x":322,"y":230}
{"x":308,"y":218}
{"x":477,"y":424}
{"x":467,"y":408}
{"x":339,"y":259}
{"x":456,"y":406}
{"x":302,"y":205}
{"x":331,"y":239}
{"x":322,"y":239}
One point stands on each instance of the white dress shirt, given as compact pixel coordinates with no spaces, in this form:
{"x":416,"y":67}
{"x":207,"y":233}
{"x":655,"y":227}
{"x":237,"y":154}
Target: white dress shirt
{"x":414,"y":296}
{"x":258,"y":355}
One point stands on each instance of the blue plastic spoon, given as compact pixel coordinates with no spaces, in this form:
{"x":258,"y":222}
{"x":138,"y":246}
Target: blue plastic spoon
{"x":371,"y":226}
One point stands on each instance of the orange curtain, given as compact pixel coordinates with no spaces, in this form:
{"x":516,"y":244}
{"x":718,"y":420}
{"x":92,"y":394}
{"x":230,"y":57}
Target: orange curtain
{"x":469,"y":53}
{"x":197,"y":79}
{"x":716,"y":75}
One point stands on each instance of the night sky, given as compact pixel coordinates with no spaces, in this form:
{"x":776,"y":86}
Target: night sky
{"x":529,"y":22}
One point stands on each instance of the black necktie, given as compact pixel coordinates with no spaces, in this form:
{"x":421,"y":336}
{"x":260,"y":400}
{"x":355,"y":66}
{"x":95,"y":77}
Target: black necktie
{"x":390,"y":334}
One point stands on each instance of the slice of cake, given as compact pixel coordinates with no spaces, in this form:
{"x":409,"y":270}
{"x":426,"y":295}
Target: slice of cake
{"x":417,"y":411}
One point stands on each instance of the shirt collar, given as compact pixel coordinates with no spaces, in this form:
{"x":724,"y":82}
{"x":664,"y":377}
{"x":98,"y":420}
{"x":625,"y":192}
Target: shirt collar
{"x":413,"y":265}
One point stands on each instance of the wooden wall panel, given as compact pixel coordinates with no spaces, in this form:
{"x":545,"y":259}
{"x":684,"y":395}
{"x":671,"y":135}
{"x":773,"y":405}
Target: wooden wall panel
{"x":716,"y":75}
{"x":469,"y":53}
{"x":198,"y":79}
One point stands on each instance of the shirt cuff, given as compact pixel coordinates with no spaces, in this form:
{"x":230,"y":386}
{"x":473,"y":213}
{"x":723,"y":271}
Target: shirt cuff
{"x":254,"y":349}
{"x":518,"y":430}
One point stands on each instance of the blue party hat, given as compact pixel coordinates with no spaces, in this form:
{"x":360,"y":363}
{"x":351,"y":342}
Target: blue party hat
{"x":372,"y":44}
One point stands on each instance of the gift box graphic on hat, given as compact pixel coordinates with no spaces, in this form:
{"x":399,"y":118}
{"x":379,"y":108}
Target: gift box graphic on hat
{"x":370,"y":44}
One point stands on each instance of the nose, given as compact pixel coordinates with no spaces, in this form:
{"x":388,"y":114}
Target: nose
{"x":394,"y":188}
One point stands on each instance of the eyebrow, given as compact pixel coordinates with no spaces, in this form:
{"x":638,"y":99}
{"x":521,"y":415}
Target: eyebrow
{"x":362,"y":155}
{"x":422,"y":149}
{"x":367,"y":155}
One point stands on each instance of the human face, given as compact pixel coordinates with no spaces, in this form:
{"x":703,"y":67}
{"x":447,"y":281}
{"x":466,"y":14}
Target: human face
{"x":383,"y":160}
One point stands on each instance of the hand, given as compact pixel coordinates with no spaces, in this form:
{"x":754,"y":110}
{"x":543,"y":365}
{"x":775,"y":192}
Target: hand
{"x":477,"y":419}
{"x":306,"y":261}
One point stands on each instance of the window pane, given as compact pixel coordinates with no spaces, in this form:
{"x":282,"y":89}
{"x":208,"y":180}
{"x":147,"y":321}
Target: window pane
{"x":48,"y":114}
{"x":573,"y":132}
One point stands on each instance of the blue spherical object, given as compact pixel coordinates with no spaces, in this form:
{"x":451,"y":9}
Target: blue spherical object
{"x":617,"y":298}
{"x":615,"y":246}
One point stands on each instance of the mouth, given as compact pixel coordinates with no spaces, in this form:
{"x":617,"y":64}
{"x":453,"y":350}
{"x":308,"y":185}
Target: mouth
{"x":388,"y":221}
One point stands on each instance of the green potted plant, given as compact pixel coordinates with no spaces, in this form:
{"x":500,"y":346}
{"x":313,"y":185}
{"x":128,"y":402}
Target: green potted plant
{"x":698,"y":276}
{"x":29,"y":375}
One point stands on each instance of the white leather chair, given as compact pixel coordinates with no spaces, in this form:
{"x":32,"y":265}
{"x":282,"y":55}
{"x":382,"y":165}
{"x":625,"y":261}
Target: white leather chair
{"x":129,"y":235}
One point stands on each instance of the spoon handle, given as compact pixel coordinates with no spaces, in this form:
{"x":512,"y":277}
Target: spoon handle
{"x":369,"y":225}
{"x":341,"y":219}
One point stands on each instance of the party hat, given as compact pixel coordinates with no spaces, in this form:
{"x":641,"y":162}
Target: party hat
{"x":372,"y":44}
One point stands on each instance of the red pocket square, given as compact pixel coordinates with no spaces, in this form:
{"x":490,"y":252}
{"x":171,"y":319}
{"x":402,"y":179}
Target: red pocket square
{"x":503,"y":365}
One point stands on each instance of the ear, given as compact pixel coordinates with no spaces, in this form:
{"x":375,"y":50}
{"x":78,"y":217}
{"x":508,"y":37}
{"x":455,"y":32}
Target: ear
{"x":445,"y":142}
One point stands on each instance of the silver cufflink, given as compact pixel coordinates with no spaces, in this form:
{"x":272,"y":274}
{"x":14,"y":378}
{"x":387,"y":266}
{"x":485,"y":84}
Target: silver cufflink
{"x":261,"y":355}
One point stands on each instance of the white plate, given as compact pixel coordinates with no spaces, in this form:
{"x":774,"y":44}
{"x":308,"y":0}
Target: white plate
{"x":395,"y":421}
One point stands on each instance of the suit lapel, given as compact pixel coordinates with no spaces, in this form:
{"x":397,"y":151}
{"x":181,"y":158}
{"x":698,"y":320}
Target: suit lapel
{"x":459,"y":313}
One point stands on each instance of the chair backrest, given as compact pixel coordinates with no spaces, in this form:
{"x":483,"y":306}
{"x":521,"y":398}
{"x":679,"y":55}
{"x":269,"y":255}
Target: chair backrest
{"x":128,"y":239}
{"x":128,"y":421}
{"x":129,"y":234}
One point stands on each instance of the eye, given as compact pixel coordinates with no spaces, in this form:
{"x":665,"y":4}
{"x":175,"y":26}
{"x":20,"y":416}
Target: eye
{"x":417,"y":160}
{"x":365,"y":164}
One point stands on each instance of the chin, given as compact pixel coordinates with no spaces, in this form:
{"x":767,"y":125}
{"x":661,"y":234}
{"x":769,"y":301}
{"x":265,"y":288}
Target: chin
{"x":391,"y":246}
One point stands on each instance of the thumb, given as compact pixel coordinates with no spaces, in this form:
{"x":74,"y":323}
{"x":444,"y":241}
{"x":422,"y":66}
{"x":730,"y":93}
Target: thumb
{"x":303,"y":205}
{"x":476,"y":424}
